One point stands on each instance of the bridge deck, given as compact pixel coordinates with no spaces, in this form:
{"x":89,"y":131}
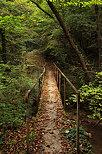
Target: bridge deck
{"x":50,"y":114}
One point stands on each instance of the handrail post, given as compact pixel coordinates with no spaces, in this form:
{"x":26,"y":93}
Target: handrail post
{"x":57,"y":77}
{"x":64,"y":92}
{"x":38,"y":91}
{"x":55,"y":72}
{"x":77,"y":131}
{"x":27,"y":125}
{"x":39,"y":85}
{"x":43,"y":78}
{"x":59,"y":82}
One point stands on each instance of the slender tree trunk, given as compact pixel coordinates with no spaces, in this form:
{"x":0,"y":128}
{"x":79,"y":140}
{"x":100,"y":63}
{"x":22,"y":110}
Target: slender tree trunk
{"x":3,"y":42}
{"x":99,"y":39}
{"x":70,"y":39}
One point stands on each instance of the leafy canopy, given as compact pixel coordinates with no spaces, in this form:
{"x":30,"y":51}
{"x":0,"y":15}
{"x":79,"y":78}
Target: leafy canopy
{"x":91,"y":97}
{"x":82,"y":3}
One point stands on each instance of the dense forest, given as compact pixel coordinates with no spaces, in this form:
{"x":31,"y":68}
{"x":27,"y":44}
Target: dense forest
{"x":32,"y":32}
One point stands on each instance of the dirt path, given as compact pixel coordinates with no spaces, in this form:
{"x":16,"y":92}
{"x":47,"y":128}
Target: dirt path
{"x":49,"y":116}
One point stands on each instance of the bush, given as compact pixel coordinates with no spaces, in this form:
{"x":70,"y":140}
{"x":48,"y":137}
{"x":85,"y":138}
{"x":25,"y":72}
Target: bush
{"x":13,"y":85}
{"x":91,"y":97}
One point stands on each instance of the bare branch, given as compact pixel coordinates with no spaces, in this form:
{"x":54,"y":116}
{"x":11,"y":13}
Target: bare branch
{"x":42,"y":9}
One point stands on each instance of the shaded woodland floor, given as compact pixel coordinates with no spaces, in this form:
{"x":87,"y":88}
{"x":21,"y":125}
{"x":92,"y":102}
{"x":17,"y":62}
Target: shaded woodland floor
{"x":96,"y":139}
{"x":88,"y":125}
{"x":46,"y":127}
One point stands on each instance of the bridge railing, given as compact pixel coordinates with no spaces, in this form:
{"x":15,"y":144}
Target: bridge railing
{"x":59,"y":74}
{"x":27,"y":101}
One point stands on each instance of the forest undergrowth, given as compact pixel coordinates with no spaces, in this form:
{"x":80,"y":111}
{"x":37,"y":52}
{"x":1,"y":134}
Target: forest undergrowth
{"x":15,"y":81}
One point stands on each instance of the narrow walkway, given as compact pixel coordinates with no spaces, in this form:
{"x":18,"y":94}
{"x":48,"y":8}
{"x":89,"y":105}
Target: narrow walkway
{"x":50,"y":114}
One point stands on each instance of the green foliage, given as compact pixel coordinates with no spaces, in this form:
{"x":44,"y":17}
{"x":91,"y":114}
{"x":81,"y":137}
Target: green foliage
{"x":13,"y":85}
{"x":91,"y":97}
{"x":85,"y":146}
{"x":82,"y":3}
{"x":16,"y":19}
{"x":32,"y":136}
{"x":27,"y":28}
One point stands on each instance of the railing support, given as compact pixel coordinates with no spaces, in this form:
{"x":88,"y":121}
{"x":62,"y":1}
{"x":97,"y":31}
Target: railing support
{"x":59,"y":84}
{"x":77,"y":131}
{"x":57,"y":77}
{"x":56,"y":74}
{"x":39,"y":84}
{"x":27,"y":126}
{"x":64,"y":93}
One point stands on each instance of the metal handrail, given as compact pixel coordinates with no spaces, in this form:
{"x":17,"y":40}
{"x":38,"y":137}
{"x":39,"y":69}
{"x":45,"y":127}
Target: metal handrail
{"x":26,"y":97}
{"x":26,"y":100}
{"x":70,"y":83}
{"x":58,"y":76}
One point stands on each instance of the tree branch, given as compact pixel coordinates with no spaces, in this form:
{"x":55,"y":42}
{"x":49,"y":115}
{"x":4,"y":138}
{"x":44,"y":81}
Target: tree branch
{"x":42,"y":9}
{"x":69,"y":38}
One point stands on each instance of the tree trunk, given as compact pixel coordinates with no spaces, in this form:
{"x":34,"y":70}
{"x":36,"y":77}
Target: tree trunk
{"x":3,"y":42}
{"x":70,"y":39}
{"x":99,"y":39}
